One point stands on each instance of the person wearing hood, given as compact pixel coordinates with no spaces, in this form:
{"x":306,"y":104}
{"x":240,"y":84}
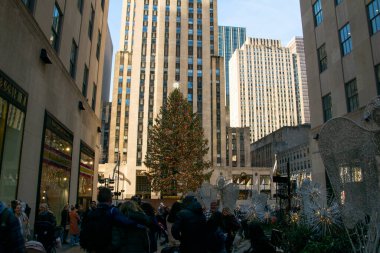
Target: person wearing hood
{"x":190,"y":227}
{"x":11,"y":239}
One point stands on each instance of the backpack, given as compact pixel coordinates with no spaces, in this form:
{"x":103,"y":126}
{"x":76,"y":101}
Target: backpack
{"x":96,"y":230}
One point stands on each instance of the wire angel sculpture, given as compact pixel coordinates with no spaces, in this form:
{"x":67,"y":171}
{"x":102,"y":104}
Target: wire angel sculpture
{"x":350,"y":153}
{"x":207,"y":194}
{"x":256,"y":210}
{"x":230,"y":194}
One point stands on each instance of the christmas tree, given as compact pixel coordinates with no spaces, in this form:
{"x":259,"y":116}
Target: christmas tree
{"x":176,"y":148}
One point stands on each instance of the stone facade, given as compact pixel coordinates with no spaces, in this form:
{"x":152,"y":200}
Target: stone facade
{"x":342,"y":50}
{"x":51,"y":124}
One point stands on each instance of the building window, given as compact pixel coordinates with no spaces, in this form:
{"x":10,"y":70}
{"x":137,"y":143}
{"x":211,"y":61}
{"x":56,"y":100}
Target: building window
{"x":102,"y":4}
{"x":345,"y":39}
{"x":318,"y":14}
{"x":374,"y":15}
{"x":13,"y":102}
{"x":377,"y":71}
{"x":91,"y":23}
{"x":73,"y":59}
{"x":94,"y":91}
{"x":55,"y":170}
{"x":80,"y":5}
{"x":56,"y":27}
{"x":322,"y":58}
{"x":352,"y":96}
{"x":98,"y":45}
{"x":86,"y":175}
{"x":29,"y":4}
{"x":85,"y":81}
{"x":337,"y":2}
{"x":327,"y":107}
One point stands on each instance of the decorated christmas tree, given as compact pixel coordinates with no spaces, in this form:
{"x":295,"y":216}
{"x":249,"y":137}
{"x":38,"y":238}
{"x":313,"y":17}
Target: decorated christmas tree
{"x":176,"y":148}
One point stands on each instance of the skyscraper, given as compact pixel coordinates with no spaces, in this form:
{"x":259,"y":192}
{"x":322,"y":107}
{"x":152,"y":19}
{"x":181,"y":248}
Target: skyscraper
{"x":230,"y":38}
{"x":165,"y":42}
{"x":263,"y":90}
{"x":296,"y":47}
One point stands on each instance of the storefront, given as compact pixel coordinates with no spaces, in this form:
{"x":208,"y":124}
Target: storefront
{"x":13,"y":102}
{"x":55,"y":171}
{"x":86,"y":175}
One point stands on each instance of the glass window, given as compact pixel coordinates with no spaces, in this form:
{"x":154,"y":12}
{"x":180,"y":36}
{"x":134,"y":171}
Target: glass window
{"x":86,"y":176}
{"x":377,"y":71}
{"x":322,"y":58}
{"x":55,"y":170}
{"x":352,"y":96}
{"x":318,"y":14}
{"x":98,"y":45}
{"x":73,"y":59}
{"x":56,"y":27}
{"x":374,"y":15}
{"x":327,"y":107}
{"x":91,"y":23}
{"x":345,"y":39}
{"x":85,"y":81}
{"x":29,"y":4}
{"x":93,"y":102}
{"x":338,"y":2}
{"x":11,"y":132}
{"x":80,"y":5}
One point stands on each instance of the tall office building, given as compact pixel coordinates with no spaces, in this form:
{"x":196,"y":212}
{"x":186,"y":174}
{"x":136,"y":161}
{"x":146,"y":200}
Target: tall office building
{"x":165,"y":42}
{"x":342,"y":41}
{"x":230,"y":38}
{"x":263,"y":90}
{"x":51,"y":76}
{"x":297,"y":51}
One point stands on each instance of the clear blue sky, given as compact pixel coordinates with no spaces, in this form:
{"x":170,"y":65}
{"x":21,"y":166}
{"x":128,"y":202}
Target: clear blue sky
{"x":274,"y":19}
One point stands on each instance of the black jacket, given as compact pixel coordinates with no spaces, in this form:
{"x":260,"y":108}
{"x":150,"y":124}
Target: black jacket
{"x":190,"y":228}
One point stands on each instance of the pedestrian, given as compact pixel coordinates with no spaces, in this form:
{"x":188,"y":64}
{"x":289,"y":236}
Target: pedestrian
{"x":11,"y":239}
{"x":65,"y":223}
{"x":132,"y":239}
{"x":74,"y":226}
{"x":259,"y":242}
{"x":162,"y":214}
{"x":230,"y":226}
{"x":24,"y":222}
{"x":190,"y":227}
{"x":153,"y":226}
{"x":97,"y":225}
{"x":45,"y":227}
{"x":216,"y":238}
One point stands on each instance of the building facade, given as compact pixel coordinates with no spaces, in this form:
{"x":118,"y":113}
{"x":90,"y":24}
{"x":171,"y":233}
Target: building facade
{"x":229,"y":39}
{"x":262,"y":87}
{"x":238,"y":147}
{"x":165,"y":42}
{"x":342,"y":45}
{"x":105,"y":134}
{"x":297,"y":51}
{"x":50,"y":93}
{"x":287,"y":144}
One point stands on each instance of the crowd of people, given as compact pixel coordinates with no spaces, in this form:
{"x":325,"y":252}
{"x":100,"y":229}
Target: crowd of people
{"x":133,"y":226}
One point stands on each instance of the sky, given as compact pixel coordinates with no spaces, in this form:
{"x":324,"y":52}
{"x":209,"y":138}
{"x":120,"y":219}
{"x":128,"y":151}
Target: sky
{"x":270,"y":19}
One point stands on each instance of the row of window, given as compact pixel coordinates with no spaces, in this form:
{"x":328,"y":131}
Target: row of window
{"x":373,"y":12}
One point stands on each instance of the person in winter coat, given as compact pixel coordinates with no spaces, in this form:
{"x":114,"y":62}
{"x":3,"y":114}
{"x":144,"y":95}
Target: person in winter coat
{"x":230,"y":226}
{"x":11,"y":239}
{"x":24,"y":222}
{"x":259,"y":242}
{"x":216,"y":239}
{"x":65,"y":223}
{"x":190,"y":227}
{"x":131,"y":239}
{"x":74,"y":226}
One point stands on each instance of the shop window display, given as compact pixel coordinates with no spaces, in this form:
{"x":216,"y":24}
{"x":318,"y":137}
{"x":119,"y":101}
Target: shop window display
{"x":56,"y":167}
{"x":86,"y":176}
